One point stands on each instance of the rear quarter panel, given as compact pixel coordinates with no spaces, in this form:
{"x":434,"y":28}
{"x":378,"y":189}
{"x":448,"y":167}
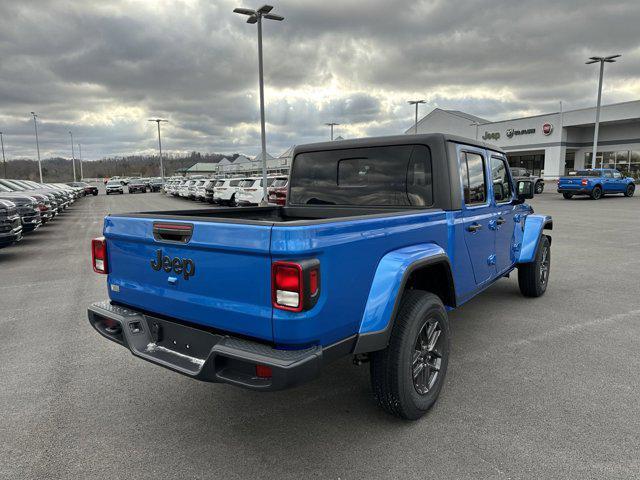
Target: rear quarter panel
{"x":349,"y":254}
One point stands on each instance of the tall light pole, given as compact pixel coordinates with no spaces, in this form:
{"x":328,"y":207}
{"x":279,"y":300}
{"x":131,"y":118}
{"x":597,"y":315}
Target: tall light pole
{"x":331,"y":124}
{"x":255,"y":16}
{"x":159,"y":121}
{"x":602,"y":61}
{"x":416,"y":103}
{"x":4,"y":160}
{"x":73,"y":157}
{"x":80,"y":160}
{"x":35,"y":125}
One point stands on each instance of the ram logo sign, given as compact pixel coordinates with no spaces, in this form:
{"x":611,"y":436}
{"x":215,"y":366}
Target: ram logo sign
{"x":511,"y":132}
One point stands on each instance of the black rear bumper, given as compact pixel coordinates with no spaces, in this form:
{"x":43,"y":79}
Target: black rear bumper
{"x":208,"y":356}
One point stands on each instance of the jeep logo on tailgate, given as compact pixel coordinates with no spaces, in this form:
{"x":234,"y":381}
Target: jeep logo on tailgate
{"x":184,"y":266}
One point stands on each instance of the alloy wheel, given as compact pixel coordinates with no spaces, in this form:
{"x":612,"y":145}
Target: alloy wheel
{"x":427,"y":357}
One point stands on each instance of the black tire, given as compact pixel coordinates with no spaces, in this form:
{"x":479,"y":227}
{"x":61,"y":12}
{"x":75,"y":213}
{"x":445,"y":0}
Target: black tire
{"x":533,"y":277}
{"x":596,"y":193}
{"x":232,"y":201}
{"x":395,"y":387}
{"x":567,"y":196}
{"x":539,"y":187}
{"x":95,"y":194}
{"x":630,"y":190}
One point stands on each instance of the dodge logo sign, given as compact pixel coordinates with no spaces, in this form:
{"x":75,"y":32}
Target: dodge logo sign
{"x":547,"y":128}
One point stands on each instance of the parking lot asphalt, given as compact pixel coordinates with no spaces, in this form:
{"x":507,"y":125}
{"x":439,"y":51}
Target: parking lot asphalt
{"x":536,"y":388}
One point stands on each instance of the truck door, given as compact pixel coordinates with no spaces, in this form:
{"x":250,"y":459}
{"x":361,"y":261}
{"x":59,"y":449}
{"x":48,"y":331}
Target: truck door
{"x":478,"y":213}
{"x":609,"y":185}
{"x":621,"y":184}
{"x":504,"y":223}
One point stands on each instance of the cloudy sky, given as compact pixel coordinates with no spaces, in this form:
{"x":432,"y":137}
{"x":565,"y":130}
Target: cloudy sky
{"x":102,"y":68}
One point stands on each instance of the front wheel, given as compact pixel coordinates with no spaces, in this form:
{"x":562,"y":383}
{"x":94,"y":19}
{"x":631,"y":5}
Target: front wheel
{"x":533,"y":277}
{"x":567,"y":196}
{"x":630,"y":190}
{"x":596,"y":193}
{"x":408,"y":375}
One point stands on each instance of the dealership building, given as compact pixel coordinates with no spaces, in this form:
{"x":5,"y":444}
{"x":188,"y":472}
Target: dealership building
{"x":553,"y":144}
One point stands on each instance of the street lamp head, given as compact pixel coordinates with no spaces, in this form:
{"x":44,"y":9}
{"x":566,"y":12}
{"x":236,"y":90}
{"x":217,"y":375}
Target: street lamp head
{"x":265,"y":9}
{"x":244,"y":11}
{"x":611,"y":58}
{"x":415,"y":102}
{"x":273,"y":16}
{"x":252,"y":19}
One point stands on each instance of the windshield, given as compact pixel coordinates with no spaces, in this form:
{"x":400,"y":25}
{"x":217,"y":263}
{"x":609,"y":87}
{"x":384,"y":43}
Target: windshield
{"x":589,"y":173}
{"x":114,"y":184}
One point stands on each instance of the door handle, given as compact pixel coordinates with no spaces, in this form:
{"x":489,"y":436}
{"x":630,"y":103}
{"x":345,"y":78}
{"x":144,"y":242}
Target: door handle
{"x":500,"y":221}
{"x":474,"y":227}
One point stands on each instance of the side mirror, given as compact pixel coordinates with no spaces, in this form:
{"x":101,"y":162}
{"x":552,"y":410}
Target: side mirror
{"x":524,"y":190}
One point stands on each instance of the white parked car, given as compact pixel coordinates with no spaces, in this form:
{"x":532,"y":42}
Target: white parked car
{"x":200,"y":189}
{"x":225,"y":190}
{"x":251,"y":191}
{"x":183,"y":191}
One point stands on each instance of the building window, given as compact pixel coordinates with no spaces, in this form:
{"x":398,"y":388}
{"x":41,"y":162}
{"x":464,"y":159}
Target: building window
{"x":533,"y":163}
{"x":623,"y":160}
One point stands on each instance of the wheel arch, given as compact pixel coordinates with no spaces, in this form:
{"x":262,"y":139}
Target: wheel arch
{"x":421,"y":267}
{"x":533,"y":229}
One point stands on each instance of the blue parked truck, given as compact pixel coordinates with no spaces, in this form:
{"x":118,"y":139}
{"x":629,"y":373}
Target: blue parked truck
{"x":379,"y":239}
{"x":596,"y":183}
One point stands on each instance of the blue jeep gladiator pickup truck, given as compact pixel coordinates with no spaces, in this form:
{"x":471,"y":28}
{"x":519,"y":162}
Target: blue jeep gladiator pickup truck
{"x":378,"y":240}
{"x":596,"y":183}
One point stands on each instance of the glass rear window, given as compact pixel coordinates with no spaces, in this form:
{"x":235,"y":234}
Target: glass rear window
{"x":398,"y":175}
{"x":280,"y":182}
{"x":589,"y":173}
{"x":247,"y":183}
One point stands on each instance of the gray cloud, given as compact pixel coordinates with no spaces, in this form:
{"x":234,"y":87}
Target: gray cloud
{"x":103,"y":68}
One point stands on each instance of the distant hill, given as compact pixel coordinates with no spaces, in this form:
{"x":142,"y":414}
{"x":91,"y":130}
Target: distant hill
{"x":60,"y":169}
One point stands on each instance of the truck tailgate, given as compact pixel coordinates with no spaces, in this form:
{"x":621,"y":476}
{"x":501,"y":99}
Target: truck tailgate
{"x":218,"y":277}
{"x":570,"y":183}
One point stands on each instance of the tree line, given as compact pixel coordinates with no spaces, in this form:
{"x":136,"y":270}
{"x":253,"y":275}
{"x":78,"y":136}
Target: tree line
{"x":60,"y":169}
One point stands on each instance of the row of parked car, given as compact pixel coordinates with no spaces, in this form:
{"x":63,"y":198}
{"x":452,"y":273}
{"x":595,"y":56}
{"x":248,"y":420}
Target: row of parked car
{"x":134,"y":185}
{"x":26,"y":205}
{"x":229,"y":191}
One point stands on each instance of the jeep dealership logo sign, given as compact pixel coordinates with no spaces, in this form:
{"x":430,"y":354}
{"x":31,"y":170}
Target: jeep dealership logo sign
{"x":514,"y":133}
{"x":547,"y":128}
{"x":491,"y":136}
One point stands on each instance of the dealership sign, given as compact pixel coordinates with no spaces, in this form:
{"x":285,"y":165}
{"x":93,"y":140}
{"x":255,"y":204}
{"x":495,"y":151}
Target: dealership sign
{"x":511,"y":132}
{"x":491,"y":136}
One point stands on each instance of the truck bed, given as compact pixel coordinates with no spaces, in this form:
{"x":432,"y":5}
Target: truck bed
{"x":270,"y":215}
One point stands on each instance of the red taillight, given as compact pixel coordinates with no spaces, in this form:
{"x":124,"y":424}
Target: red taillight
{"x":42,"y":207}
{"x":263,"y":371}
{"x":313,"y":282}
{"x":99,"y":255}
{"x":287,"y":286}
{"x":295,"y":286}
{"x":584,"y":182}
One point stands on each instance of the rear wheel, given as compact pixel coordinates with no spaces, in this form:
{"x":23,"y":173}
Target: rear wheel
{"x":630,"y":190}
{"x":408,"y":375}
{"x":596,"y":193}
{"x":539,"y":186}
{"x":533,"y":277}
{"x":567,"y":196}
{"x":232,"y":201}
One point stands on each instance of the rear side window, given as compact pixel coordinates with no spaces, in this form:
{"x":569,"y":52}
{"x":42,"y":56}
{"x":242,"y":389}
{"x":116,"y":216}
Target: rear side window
{"x":374,"y":176}
{"x":474,"y":180}
{"x":502,"y":190}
